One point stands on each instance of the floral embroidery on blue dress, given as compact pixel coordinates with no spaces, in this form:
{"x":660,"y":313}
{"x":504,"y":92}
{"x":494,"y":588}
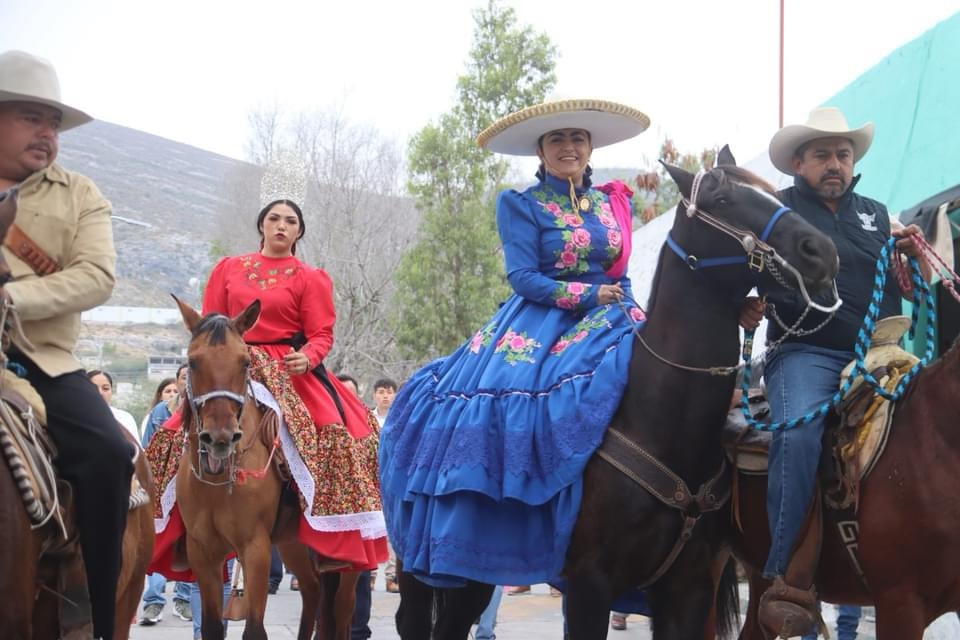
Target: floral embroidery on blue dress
{"x":516,"y":347}
{"x":570,"y":295}
{"x":581,"y":330}
{"x":482,"y":453}
{"x":482,"y":338}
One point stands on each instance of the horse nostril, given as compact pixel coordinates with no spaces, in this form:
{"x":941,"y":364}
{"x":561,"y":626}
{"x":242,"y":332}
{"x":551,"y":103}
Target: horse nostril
{"x":236,"y":436}
{"x":206,"y":438}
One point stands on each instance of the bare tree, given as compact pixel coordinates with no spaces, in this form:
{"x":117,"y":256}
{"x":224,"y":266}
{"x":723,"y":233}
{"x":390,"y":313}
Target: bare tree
{"x":358,"y":225}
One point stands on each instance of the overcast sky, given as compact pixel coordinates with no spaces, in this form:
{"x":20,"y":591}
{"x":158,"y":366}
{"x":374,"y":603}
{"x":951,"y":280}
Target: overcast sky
{"x":705,"y":71}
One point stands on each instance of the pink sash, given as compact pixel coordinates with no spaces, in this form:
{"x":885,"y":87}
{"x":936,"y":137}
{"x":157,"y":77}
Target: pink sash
{"x":620,"y":195}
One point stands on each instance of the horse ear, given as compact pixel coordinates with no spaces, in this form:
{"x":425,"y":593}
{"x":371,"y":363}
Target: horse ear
{"x":726,"y":157}
{"x":190,"y":316}
{"x":682,"y":177}
{"x":246,"y":318}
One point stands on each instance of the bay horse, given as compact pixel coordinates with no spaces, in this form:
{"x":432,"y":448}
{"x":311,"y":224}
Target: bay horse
{"x":673,"y":410}
{"x":30,"y":568}
{"x":906,"y":521}
{"x":229,"y":433}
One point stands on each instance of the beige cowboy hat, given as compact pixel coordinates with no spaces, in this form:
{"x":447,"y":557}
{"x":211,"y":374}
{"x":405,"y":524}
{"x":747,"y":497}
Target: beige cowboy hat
{"x":608,"y":123}
{"x":27,"y":78}
{"x":823,"y":122}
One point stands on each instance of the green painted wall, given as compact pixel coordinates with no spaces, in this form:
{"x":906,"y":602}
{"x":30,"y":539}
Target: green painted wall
{"x":913,"y":98}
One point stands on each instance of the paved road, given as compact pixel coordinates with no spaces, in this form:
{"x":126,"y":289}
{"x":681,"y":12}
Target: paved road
{"x":524,"y":617}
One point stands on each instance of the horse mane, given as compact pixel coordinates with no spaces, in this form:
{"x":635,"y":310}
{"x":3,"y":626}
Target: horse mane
{"x":216,"y":324}
{"x":744,"y":176}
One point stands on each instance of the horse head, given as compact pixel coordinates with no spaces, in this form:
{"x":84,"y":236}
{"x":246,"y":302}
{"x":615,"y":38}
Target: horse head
{"x":729,"y":216}
{"x":217,"y":381}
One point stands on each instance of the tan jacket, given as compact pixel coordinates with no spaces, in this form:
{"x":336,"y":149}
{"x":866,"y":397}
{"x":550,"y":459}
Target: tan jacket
{"x":65,"y":214}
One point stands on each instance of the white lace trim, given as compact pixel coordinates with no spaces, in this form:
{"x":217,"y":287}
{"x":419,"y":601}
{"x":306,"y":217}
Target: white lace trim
{"x":167,"y":500}
{"x":370,"y":524}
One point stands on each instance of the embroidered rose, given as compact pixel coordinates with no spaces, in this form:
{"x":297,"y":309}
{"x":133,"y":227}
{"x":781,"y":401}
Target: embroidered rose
{"x":567,"y":259}
{"x":581,"y":330}
{"x":606,"y":208}
{"x":482,"y":338}
{"x":613,"y":237}
{"x":580,"y":238}
{"x":576,"y":288}
{"x":572,"y":220}
{"x":553,"y":208}
{"x":637,"y":315}
{"x":607,"y":221}
{"x":516,"y":347}
{"x":567,"y":295}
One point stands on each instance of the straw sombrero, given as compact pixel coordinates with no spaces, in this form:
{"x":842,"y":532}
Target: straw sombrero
{"x":28,"y":78}
{"x":608,"y":123}
{"x":823,"y":122}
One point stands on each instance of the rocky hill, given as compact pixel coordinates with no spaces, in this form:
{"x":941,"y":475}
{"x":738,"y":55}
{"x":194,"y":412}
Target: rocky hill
{"x":167,"y":199}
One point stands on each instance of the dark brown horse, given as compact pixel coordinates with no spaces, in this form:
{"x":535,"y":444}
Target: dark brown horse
{"x":674,"y":410}
{"x":907,"y":519}
{"x":229,"y":433}
{"x":30,"y":568}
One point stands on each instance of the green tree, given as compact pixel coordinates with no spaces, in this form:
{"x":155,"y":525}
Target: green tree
{"x":452,"y":279}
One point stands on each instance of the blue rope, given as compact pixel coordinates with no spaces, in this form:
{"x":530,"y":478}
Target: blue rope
{"x":921,"y":292}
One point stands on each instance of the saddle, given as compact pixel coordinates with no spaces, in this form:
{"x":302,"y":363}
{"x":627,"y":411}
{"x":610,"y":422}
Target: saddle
{"x":852,"y":444}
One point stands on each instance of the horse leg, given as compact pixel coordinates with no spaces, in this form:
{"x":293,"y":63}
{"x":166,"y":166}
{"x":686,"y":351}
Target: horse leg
{"x":343,"y":604}
{"x":587,"y":600}
{"x":900,"y":618}
{"x":256,"y":574}
{"x":681,"y":601}
{"x":297,"y":559}
{"x":414,"y":617}
{"x":207,"y":567}
{"x":137,"y":549}
{"x":461,"y":608}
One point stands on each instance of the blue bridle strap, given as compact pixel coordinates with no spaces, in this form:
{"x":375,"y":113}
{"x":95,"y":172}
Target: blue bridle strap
{"x":696,"y":263}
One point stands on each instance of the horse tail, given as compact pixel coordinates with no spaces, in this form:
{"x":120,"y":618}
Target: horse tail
{"x":728,"y":601}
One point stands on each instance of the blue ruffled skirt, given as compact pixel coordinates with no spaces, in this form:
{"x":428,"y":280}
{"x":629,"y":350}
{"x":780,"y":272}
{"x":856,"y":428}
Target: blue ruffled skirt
{"x":482,"y":453}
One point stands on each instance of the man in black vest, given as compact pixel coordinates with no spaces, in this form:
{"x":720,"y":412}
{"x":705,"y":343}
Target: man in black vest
{"x":804,"y":371}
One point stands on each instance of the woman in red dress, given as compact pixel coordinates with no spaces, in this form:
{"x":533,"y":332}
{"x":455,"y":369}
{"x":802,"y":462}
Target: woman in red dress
{"x":333,"y":438}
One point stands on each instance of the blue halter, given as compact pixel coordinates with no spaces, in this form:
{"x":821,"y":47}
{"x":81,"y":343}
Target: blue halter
{"x":695,"y":263}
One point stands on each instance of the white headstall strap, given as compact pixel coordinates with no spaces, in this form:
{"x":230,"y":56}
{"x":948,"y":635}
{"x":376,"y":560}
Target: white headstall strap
{"x":694,"y":192}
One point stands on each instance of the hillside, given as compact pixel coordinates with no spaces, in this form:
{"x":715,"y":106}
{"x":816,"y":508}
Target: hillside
{"x":166,"y":198}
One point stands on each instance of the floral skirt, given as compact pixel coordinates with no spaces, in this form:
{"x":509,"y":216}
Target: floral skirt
{"x":483,"y":451}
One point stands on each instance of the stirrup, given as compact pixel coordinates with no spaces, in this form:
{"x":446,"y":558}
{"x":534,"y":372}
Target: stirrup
{"x":787,"y":612}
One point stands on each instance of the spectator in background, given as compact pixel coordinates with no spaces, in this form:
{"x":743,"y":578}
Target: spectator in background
{"x":166,"y":392}
{"x":165,"y":408}
{"x":384,"y":390}
{"x":103,"y":381}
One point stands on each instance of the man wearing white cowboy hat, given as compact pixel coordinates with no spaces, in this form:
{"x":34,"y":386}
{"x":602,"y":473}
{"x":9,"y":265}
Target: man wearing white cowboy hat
{"x":62,"y":260}
{"x":804,"y":371}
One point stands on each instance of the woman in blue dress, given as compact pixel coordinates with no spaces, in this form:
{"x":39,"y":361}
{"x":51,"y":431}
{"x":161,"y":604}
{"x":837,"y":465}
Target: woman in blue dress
{"x":482,"y":454}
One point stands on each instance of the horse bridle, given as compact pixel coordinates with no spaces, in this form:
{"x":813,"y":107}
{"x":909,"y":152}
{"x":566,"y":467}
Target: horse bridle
{"x":757,"y":253}
{"x":196,"y":404}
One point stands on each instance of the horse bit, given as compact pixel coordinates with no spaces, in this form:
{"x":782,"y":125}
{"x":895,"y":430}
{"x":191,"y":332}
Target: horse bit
{"x":196,"y":404}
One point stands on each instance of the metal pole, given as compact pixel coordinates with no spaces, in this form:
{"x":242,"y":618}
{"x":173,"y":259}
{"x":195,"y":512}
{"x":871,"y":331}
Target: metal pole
{"x":781,"y":64}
